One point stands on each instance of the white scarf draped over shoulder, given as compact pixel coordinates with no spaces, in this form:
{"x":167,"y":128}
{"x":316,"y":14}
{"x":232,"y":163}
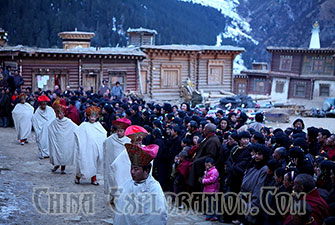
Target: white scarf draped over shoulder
{"x":116,"y":162}
{"x":89,"y":139}
{"x":147,"y":201}
{"x":22,"y":114}
{"x":41,"y":120}
{"x":61,"y":141}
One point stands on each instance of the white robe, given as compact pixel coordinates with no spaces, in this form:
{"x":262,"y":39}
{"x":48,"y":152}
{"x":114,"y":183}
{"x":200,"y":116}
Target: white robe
{"x":22,"y":114}
{"x":89,"y":139}
{"x":116,"y":162}
{"x":140,"y":197}
{"x":61,"y":141}
{"x":41,"y":120}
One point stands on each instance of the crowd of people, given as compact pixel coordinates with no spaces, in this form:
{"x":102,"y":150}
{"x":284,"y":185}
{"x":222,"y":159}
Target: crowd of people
{"x":194,"y":152}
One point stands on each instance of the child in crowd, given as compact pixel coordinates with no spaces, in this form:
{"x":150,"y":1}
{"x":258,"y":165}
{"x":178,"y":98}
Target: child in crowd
{"x":211,"y":186}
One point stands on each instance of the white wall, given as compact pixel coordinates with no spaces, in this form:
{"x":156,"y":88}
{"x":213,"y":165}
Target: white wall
{"x":316,"y":91}
{"x":279,"y":96}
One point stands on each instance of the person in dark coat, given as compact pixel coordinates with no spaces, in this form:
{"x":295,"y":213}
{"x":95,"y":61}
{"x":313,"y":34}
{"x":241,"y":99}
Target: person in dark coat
{"x":280,"y":154}
{"x":209,"y":147}
{"x":299,"y":161}
{"x":135,"y":117}
{"x":238,"y":162}
{"x":312,"y":135}
{"x":108,"y":117}
{"x":160,"y":165}
{"x":277,"y":218}
{"x":254,"y":179}
{"x":5,"y":109}
{"x":18,"y":80}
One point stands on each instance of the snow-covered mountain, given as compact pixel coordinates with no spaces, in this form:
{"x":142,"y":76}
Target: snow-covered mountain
{"x":256,"y":24}
{"x":237,"y":29}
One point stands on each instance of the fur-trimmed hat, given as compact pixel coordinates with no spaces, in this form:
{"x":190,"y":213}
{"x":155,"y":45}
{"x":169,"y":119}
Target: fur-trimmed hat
{"x":93,"y":110}
{"x":141,"y":156}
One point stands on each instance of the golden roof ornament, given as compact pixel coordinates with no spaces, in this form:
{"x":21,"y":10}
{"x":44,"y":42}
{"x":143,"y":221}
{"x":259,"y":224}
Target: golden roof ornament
{"x":316,"y":24}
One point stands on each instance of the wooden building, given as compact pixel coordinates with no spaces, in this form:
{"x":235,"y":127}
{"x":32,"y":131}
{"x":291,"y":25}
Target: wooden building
{"x":157,"y":71}
{"x":167,"y":66}
{"x":302,"y":73}
{"x":294,"y":73}
{"x":75,"y":65}
{"x":257,"y":79}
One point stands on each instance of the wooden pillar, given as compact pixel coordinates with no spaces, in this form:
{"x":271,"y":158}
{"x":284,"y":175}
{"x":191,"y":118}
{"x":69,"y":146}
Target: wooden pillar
{"x":139,"y":77}
{"x":80,"y":78}
{"x":101,"y":71}
{"x":150,"y":68}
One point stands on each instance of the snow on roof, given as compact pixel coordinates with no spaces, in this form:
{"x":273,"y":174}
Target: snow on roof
{"x":78,"y":50}
{"x":141,"y":29}
{"x":260,"y":63}
{"x":294,"y":49}
{"x":194,"y":47}
{"x":77,"y":32}
{"x":255,"y":71}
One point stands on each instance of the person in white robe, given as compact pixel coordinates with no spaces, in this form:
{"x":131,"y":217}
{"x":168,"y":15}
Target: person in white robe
{"x":89,"y":139}
{"x":41,"y":119}
{"x":116,"y":160}
{"x":61,"y":139}
{"x":142,"y":200}
{"x":22,"y":114}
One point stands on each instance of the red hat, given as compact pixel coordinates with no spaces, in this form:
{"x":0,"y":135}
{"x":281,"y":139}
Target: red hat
{"x":122,"y":123}
{"x":43,"y":98}
{"x":135,"y":132}
{"x":141,"y":156}
{"x":93,"y":110}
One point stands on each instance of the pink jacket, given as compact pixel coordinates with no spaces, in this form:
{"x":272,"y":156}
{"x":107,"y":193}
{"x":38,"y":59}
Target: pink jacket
{"x":211,"y":180}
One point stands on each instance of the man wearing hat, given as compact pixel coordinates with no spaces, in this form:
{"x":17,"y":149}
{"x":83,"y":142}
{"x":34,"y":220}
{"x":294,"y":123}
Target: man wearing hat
{"x":61,"y":138}
{"x":22,"y":114}
{"x":41,"y":119}
{"x":89,"y":139}
{"x":116,"y":160}
{"x":142,"y":191}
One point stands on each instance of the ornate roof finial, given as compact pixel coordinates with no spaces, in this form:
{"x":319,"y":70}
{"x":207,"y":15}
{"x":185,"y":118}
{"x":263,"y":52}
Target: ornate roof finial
{"x":315,"y":39}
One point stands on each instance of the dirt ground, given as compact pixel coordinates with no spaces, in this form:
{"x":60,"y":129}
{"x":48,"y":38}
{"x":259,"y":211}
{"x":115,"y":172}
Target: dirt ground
{"x":22,"y":172}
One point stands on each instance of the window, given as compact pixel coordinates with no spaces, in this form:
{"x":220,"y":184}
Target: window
{"x":215,"y":71}
{"x":45,"y":82}
{"x":285,"y":62}
{"x":115,"y":76}
{"x":215,"y":75}
{"x":241,"y":88}
{"x":300,"y":89}
{"x":259,"y":85}
{"x":318,"y":65}
{"x":280,"y":86}
{"x":324,"y":90}
{"x":170,"y":78}
{"x":46,"y":79}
